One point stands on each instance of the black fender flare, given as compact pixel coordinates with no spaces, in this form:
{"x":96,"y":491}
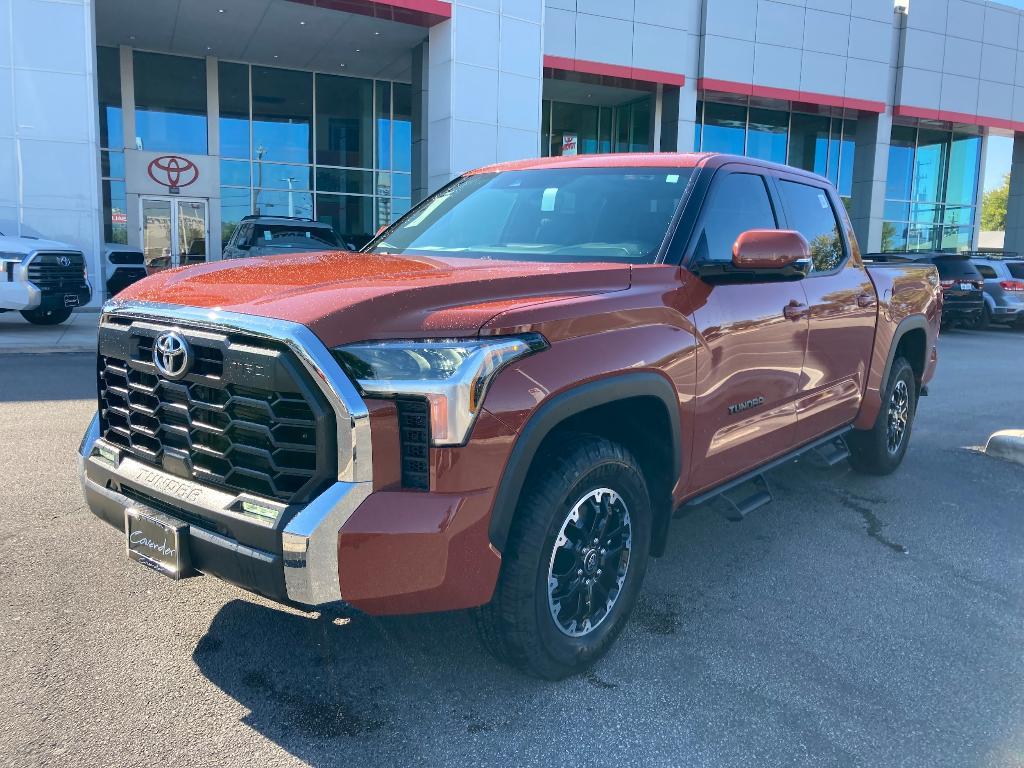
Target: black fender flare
{"x":557,"y":409}
{"x":907,"y":324}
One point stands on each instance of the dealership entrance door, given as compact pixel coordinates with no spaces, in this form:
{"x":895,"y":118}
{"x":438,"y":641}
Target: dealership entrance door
{"x":174,"y":231}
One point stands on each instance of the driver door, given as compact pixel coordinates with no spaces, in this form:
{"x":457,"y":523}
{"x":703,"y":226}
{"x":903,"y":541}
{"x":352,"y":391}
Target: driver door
{"x":751,"y":340}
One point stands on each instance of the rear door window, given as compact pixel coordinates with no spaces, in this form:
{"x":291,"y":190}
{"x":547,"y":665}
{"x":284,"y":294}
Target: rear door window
{"x":955,"y":267}
{"x":738,"y":202}
{"x":986,"y":271}
{"x":1016,"y":269}
{"x":810,"y":213}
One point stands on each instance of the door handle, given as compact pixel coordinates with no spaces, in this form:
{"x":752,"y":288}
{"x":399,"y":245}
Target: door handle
{"x":794,"y":310}
{"x":865,"y":300}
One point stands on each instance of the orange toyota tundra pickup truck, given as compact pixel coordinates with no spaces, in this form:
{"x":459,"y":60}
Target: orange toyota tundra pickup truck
{"x":499,"y":403}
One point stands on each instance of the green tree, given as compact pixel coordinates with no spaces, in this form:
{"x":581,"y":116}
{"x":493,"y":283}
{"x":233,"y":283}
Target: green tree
{"x":993,"y":207}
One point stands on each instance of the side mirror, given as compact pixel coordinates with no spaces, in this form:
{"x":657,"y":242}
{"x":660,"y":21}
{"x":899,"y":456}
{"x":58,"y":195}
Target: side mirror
{"x":778,"y":252}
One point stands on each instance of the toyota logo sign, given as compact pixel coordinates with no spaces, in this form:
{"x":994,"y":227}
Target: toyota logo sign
{"x":173,"y":172}
{"x":64,"y":261}
{"x":172,"y":355}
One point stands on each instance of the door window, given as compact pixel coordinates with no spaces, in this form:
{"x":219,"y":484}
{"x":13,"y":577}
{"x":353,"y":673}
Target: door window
{"x":810,"y":213}
{"x":739,"y":202}
{"x":987,"y":272}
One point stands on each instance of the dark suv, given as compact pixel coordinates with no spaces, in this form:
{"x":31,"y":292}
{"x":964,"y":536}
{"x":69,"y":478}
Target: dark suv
{"x":273,"y":235}
{"x":963,"y":287}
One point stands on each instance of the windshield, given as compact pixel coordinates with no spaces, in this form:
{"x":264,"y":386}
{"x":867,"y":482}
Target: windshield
{"x":290,"y":236}
{"x":549,"y":214}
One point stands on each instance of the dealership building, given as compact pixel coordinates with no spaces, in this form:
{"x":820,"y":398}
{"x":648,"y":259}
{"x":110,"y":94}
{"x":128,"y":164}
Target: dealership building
{"x":159,"y":124}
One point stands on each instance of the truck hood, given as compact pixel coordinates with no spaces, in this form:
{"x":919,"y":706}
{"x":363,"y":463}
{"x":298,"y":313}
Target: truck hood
{"x":25,"y":245}
{"x":345,"y":296}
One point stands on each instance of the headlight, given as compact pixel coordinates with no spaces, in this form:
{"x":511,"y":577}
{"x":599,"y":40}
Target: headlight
{"x":451,"y":374}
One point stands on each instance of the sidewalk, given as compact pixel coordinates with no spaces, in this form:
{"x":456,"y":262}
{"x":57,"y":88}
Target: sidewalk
{"x":76,"y":334}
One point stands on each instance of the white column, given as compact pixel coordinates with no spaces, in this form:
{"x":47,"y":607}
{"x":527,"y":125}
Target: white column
{"x":484,"y":84}
{"x":870,"y":169}
{"x":687,"y":115}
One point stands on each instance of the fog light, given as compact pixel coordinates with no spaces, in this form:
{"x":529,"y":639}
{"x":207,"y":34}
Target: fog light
{"x":266,"y":513}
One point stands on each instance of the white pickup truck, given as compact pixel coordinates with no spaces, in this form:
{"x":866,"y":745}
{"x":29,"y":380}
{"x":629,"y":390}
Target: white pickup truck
{"x":42,"y":279}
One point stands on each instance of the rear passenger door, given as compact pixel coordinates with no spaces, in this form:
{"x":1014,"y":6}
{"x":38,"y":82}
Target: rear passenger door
{"x":751,"y":347}
{"x":842,"y":303}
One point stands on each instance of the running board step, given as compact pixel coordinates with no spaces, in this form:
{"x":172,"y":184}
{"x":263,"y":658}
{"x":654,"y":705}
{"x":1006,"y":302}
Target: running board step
{"x":736,"y":510}
{"x":833,"y":452}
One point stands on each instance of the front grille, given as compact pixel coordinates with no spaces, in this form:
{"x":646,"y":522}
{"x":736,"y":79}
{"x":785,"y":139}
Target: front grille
{"x":414,"y":440}
{"x":246,"y":418}
{"x":47,"y":273}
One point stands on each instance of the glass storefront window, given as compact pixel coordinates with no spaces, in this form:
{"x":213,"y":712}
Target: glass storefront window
{"x":115,"y":212}
{"x":276,"y":176}
{"x":964,"y":163}
{"x":112,"y":164}
{"x":931,"y":189}
{"x":401,"y":127}
{"x":930,"y":164}
{"x":767,"y":131}
{"x":344,"y":121}
{"x":383,"y":120}
{"x":108,"y":77}
{"x":351,"y":217}
{"x":170,"y":103}
{"x":847,"y":149}
{"x":724,"y":128}
{"x":233,"y":89}
{"x":282,"y":115}
{"x":579,"y":120}
{"x":640,"y":126}
{"x":234,"y":204}
{"x":235,"y":173}
{"x":275,"y":202}
{"x":808,"y":142}
{"x":901,"y":162}
{"x":344,"y":180}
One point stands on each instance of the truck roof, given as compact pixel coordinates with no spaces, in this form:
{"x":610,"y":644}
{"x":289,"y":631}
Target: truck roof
{"x":641,"y":160}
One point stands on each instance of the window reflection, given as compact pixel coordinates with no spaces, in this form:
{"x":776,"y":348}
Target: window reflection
{"x":767,"y":133}
{"x":170,"y":103}
{"x":108,"y":77}
{"x":344,"y":121}
{"x":233,"y":88}
{"x":282,"y":115}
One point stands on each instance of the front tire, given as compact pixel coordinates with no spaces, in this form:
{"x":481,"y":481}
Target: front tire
{"x":575,"y":560}
{"x":880,"y":450}
{"x":41,"y":316}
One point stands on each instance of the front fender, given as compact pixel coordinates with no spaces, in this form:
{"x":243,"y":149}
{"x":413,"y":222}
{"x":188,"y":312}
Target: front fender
{"x":557,"y":409}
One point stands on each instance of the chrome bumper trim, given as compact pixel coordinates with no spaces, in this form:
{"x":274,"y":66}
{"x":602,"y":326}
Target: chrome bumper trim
{"x":310,"y":540}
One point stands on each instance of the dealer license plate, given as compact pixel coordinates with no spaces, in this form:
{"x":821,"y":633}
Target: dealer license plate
{"x":158,"y":542}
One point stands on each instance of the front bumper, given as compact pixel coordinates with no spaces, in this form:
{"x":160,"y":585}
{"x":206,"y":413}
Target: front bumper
{"x":295,"y":564}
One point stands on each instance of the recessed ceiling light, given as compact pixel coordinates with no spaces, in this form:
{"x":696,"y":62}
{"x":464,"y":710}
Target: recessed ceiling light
{"x":131,"y":37}
{"x":275,"y":55}
{"x":341,"y":65}
{"x":209,"y":48}
{"x":220,"y":10}
{"x":357,"y":50}
{"x":302,"y":23}
{"x":376,"y":33}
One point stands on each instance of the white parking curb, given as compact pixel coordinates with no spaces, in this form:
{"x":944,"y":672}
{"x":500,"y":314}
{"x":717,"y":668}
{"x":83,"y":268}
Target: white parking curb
{"x":1007,"y":444}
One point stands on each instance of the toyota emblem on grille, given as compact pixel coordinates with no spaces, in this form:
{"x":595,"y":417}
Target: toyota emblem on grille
{"x":172,"y":355}
{"x":64,"y":261}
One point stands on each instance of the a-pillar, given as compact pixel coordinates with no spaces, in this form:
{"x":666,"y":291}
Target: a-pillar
{"x":483,"y":87}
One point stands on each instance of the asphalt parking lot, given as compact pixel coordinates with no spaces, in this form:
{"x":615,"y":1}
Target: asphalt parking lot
{"x":856,"y":621}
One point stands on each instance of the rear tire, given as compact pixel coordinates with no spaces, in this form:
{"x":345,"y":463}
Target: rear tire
{"x":880,"y":450}
{"x":40,"y":316}
{"x":575,"y":560}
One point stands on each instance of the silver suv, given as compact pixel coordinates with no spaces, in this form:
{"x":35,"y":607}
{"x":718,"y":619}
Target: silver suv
{"x":1004,"y":289}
